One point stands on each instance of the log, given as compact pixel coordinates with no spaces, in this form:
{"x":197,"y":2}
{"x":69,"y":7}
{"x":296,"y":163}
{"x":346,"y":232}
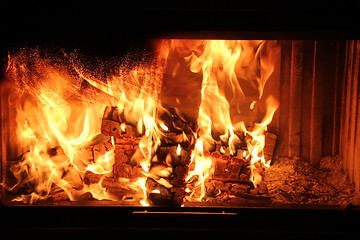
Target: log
{"x":173,"y":139}
{"x":217,"y":190}
{"x":170,"y":163}
{"x":240,"y":188}
{"x":229,"y":168}
{"x":176,"y":130}
{"x":91,"y":177}
{"x":115,"y":188}
{"x":170,"y":121}
{"x":122,"y":170}
{"x":172,"y":158}
{"x":160,"y":195}
{"x":114,"y":124}
{"x":59,"y":196}
{"x":270,"y":143}
{"x":174,"y":163}
{"x":110,"y":124}
{"x":178,"y":176}
{"x":100,"y":149}
{"x":125,"y":149}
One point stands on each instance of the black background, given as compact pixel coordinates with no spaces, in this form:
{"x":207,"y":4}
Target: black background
{"x":111,"y":26}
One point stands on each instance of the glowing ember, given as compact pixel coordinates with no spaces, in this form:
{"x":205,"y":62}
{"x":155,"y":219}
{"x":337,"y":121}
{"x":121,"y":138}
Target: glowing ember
{"x":118,"y":138}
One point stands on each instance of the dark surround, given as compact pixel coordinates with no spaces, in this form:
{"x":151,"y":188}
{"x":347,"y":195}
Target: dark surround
{"x":112,"y":29}
{"x":95,"y":23}
{"x":109,"y":29}
{"x":255,"y":223}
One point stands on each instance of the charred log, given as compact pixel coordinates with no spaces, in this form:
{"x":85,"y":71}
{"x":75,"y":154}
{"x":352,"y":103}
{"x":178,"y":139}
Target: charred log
{"x":170,"y":165}
{"x":111,"y":121}
{"x":230,"y":168}
{"x":269,"y":148}
{"x":114,"y":124}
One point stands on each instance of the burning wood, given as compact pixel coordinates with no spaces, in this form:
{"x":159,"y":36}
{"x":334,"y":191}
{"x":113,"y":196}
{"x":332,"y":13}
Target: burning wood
{"x":191,"y":140}
{"x":230,"y":168}
{"x":173,"y":155}
{"x":111,"y":122}
{"x":270,"y":143}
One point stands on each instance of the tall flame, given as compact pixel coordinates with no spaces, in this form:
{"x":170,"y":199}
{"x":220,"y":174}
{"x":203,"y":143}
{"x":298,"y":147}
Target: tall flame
{"x":234,"y":75}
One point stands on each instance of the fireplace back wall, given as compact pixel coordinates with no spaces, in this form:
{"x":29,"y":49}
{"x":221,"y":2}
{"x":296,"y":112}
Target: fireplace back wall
{"x":319,"y":96}
{"x":311,"y":83}
{"x":318,"y":91}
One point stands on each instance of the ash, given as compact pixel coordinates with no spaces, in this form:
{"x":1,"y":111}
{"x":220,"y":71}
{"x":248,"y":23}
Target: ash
{"x":294,"y":181}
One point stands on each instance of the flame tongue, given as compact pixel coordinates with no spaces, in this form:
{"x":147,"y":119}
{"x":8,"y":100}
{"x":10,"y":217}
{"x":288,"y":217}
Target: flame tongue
{"x":234,"y":76}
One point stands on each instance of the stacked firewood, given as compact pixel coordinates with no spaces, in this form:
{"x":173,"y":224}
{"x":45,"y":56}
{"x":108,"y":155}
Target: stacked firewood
{"x":125,"y":144}
{"x":170,"y":163}
{"x":233,"y":178}
{"x":122,"y":169}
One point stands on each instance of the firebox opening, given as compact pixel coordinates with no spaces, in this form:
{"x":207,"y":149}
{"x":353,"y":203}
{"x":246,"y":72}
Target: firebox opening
{"x":187,"y":122}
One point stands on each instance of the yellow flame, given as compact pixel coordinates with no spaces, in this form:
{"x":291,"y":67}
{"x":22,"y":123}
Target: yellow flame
{"x":227,"y":66}
{"x":178,"y":150}
{"x":56,"y":121}
{"x":163,"y":126}
{"x":257,"y":143}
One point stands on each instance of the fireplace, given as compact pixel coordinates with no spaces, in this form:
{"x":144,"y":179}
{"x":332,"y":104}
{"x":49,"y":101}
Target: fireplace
{"x":183,"y":123}
{"x":196,"y":123}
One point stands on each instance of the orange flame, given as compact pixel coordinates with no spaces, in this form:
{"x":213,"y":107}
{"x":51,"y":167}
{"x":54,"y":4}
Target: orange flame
{"x":57,"y":118}
{"x":233,"y":72}
{"x":52,"y":114}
